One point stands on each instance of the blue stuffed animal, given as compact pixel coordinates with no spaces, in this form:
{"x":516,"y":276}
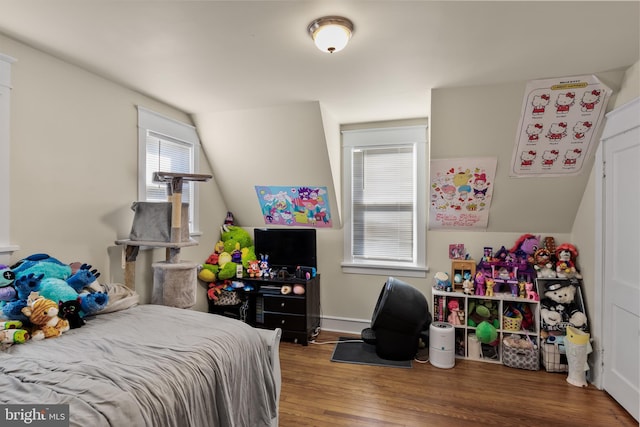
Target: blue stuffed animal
{"x":55,"y":281}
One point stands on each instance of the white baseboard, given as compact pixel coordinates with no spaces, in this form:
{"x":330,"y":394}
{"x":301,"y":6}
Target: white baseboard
{"x":343,"y":324}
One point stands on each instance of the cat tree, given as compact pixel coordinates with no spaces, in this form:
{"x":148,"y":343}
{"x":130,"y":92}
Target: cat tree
{"x":174,"y":280}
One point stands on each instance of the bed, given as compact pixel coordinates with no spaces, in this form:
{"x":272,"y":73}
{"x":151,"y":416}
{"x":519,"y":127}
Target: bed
{"x":150,"y":365}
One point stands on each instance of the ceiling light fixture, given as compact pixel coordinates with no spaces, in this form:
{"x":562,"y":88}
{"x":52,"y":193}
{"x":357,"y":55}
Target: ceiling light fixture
{"x":331,"y":33}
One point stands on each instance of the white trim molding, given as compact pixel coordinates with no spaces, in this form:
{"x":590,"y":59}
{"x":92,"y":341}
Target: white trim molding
{"x":6,"y":249}
{"x":344,"y":324}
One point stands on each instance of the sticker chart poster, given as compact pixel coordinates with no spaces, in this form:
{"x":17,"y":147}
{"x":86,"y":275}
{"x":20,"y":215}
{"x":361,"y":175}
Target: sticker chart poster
{"x":294,"y":206}
{"x":559,"y":123}
{"x":461,"y":192}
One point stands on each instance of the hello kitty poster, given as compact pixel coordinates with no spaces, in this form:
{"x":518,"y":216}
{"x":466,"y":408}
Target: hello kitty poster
{"x":460,"y":193}
{"x":558,"y":116}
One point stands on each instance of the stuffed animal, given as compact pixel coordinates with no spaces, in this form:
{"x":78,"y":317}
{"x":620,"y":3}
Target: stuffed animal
{"x":254,"y":268}
{"x":265,"y":269}
{"x":525,"y":246}
{"x":70,"y":311}
{"x":43,"y":315}
{"x":442,"y":281}
{"x":53,"y":280}
{"x":559,"y":308}
{"x":11,"y":332}
{"x":454,"y":309}
{"x":542,"y":264}
{"x":237,"y":248}
{"x":566,"y":255}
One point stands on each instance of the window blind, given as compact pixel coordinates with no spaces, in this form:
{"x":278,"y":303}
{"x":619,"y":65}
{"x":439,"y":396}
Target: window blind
{"x":167,"y":155}
{"x":383,"y":200}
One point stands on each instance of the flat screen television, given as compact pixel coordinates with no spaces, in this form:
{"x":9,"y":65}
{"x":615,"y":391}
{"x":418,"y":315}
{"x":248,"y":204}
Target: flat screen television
{"x":286,"y":247}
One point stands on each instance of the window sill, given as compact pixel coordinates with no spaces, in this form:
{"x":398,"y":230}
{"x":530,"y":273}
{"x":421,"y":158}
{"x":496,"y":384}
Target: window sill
{"x":384,"y":270}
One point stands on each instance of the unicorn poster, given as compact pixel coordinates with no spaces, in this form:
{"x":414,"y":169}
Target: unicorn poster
{"x":460,"y":193}
{"x":294,"y":206}
{"x":558,"y":126}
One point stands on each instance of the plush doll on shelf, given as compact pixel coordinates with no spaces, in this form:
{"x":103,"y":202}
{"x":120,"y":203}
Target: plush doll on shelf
{"x":265,"y":269}
{"x":559,"y":308}
{"x":467,"y":284}
{"x":566,"y":255}
{"x":43,"y":315}
{"x":525,"y":247}
{"x":542,"y":264}
{"x":442,"y":281}
{"x":253,"y":270}
{"x":454,"y":310}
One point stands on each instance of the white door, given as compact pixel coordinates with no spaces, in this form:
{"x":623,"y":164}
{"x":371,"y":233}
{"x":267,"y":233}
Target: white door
{"x":621,"y":281}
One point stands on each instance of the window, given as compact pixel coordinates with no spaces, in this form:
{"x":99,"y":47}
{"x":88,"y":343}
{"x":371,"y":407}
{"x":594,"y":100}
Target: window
{"x":384,"y":191}
{"x":169,"y":146}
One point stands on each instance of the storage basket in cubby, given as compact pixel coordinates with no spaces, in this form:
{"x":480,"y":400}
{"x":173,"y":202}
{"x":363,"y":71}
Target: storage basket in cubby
{"x":512,"y":321}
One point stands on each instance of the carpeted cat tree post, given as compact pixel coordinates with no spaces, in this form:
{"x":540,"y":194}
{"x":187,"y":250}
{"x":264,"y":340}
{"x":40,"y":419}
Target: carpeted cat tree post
{"x":165,"y":225}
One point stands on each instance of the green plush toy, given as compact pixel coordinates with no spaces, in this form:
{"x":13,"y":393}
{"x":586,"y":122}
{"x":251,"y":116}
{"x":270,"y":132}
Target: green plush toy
{"x":232,"y":234}
{"x":486,"y":332}
{"x":238,"y":249}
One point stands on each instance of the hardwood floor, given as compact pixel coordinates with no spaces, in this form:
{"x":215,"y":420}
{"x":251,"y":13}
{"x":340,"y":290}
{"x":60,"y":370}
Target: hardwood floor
{"x":318,"y":392}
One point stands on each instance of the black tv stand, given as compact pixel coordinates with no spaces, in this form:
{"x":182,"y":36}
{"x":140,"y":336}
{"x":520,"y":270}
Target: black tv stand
{"x":297,"y":315}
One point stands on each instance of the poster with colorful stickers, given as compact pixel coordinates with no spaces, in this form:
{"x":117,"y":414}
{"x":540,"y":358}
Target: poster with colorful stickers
{"x":460,"y":193}
{"x":294,"y":205}
{"x":558,"y":126}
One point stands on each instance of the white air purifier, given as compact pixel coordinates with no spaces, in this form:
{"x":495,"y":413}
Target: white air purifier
{"x":442,"y":342}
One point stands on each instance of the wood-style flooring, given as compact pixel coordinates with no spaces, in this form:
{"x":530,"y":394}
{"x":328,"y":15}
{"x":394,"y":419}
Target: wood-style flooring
{"x":318,"y":392}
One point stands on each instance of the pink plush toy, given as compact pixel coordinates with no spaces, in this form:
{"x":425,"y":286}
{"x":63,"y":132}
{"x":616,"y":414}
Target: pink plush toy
{"x":454,"y":308}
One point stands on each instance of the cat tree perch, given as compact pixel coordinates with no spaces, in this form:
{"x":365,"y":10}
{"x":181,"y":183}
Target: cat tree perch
{"x":174,"y":280}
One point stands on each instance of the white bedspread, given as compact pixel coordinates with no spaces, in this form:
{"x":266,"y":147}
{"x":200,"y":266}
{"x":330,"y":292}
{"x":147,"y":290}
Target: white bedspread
{"x":148,"y":365}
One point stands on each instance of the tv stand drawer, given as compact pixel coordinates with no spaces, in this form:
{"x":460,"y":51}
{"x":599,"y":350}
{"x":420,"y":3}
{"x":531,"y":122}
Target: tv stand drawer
{"x":292,"y":322}
{"x":281,"y":304}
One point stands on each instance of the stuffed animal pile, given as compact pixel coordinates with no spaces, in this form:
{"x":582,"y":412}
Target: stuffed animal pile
{"x":232,"y":255}
{"x":39,"y":285}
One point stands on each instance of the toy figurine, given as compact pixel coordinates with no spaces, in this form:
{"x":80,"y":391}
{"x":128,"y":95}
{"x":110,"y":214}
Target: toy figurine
{"x":489,"y":283}
{"x":522,"y":286}
{"x":467,"y":284}
{"x":531,"y":294}
{"x":480,"y":283}
{"x":265,"y":270}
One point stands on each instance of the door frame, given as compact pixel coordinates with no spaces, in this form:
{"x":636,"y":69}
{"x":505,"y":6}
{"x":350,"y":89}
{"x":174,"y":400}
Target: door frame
{"x":629,"y":109}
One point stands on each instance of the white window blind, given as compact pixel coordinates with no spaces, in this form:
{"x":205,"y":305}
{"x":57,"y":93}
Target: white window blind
{"x":383,"y":195}
{"x":384,"y":200}
{"x":166,"y":145}
{"x":167,"y":155}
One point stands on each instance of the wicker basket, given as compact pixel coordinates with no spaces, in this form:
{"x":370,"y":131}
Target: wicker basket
{"x":513,"y":322}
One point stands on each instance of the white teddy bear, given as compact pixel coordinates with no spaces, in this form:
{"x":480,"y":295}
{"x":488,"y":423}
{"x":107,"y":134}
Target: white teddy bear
{"x":558,"y":307}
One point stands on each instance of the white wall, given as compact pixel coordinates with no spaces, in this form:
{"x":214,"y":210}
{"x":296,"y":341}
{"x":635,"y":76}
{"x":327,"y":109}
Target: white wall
{"x":74,"y":164}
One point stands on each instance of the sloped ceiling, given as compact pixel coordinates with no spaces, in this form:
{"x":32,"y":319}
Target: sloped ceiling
{"x":209,"y":58}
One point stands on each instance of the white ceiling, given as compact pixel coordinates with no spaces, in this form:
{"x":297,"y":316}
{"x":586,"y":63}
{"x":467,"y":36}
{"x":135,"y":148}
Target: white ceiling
{"x":209,"y":56}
